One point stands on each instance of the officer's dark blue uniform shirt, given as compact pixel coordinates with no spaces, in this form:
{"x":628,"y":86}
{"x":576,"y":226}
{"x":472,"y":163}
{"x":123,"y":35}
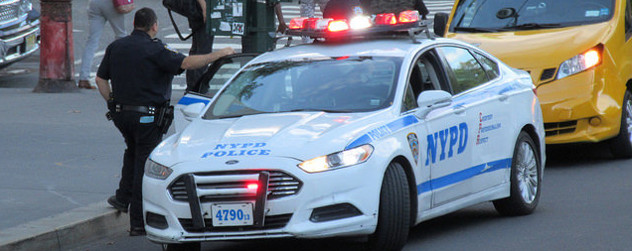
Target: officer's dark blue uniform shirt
{"x":140,"y":69}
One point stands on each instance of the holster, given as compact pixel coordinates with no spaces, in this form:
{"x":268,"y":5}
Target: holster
{"x":164,"y":118}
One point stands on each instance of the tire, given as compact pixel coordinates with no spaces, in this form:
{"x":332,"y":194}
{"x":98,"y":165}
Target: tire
{"x":393,"y":222}
{"x":621,"y":145}
{"x":525,"y":179}
{"x":191,"y":246}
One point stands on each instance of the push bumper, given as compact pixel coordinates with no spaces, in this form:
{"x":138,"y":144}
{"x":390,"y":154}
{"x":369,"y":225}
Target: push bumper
{"x":336,"y":203}
{"x":19,"y":40}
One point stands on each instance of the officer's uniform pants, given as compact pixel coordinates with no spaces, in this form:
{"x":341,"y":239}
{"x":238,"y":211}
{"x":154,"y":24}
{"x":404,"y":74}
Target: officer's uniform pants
{"x":141,"y":137}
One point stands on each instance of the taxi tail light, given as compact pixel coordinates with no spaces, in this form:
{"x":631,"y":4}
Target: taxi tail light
{"x":386,"y":19}
{"x":337,"y":26}
{"x":297,"y":23}
{"x":409,"y":16}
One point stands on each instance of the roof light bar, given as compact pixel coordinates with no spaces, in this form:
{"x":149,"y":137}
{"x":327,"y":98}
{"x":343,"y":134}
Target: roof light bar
{"x":338,"y":25}
{"x":385,"y":19}
{"x":408,"y":16}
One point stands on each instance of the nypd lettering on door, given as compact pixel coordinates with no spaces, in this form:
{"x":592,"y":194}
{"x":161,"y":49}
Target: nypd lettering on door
{"x":237,"y":149}
{"x":446,"y":143}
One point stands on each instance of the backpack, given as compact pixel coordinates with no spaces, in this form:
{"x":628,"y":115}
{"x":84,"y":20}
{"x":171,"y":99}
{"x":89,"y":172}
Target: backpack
{"x":191,"y":9}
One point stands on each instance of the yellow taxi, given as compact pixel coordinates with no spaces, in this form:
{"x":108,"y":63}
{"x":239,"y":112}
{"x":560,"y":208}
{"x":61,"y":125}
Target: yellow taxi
{"x":578,"y":53}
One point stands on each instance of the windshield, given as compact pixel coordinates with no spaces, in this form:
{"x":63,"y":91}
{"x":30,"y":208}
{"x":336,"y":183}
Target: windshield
{"x":509,"y":15}
{"x":339,"y":84}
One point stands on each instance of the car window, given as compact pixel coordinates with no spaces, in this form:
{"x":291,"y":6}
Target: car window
{"x":464,"y":69}
{"x":490,"y":67}
{"x":337,"y":84}
{"x":494,"y":15}
{"x":220,"y":72}
{"x":425,"y":74}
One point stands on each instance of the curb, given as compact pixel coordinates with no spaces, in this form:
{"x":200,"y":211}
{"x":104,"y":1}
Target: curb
{"x":66,"y":230}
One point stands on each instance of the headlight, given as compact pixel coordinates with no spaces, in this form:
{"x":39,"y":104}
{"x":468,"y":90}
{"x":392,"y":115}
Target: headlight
{"x":157,"y":171}
{"x":581,"y":62}
{"x":25,"y":6}
{"x":338,"y":160}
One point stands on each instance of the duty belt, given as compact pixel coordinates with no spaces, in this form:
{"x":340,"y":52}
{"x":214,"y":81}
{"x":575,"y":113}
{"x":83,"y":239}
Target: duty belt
{"x":136,"y":108}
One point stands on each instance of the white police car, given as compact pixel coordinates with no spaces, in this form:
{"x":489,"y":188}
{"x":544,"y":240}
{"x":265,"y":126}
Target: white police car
{"x":345,"y":138}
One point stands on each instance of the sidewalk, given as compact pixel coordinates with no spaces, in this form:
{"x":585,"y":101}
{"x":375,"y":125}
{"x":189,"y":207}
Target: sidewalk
{"x":61,"y":159}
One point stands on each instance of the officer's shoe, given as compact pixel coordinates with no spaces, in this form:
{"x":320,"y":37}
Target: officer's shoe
{"x":137,"y":231}
{"x":117,"y":204}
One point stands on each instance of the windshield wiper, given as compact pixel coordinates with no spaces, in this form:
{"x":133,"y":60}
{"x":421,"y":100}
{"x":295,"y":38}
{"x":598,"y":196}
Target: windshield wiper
{"x":319,"y":110}
{"x":474,"y":29}
{"x":531,"y":26}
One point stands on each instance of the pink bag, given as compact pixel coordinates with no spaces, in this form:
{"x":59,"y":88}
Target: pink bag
{"x":123,"y":6}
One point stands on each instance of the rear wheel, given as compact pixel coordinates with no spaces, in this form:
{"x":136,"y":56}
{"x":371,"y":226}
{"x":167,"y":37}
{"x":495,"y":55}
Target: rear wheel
{"x":192,"y":246}
{"x":525,"y":179}
{"x":621,"y":146}
{"x":393,"y":222}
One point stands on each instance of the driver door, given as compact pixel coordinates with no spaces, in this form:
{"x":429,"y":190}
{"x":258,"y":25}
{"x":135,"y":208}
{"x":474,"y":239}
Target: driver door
{"x":201,"y":95}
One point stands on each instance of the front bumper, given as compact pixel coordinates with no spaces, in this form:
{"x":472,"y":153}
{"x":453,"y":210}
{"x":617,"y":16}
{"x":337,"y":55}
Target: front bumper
{"x":333,"y":195}
{"x":18,"y":41}
{"x":584,"y":107}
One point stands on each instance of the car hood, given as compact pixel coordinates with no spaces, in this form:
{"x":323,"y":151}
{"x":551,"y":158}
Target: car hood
{"x":298,"y":135}
{"x":538,"y":49}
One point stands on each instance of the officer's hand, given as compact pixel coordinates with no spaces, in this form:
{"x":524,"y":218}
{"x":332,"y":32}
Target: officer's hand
{"x":282,"y":28}
{"x":227,"y":51}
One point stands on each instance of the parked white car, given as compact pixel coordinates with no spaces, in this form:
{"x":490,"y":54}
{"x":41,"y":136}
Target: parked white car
{"x":345,"y":138}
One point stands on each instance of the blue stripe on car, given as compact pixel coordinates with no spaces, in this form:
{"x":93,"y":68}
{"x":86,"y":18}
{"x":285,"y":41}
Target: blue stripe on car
{"x":462,"y":175}
{"x":383,"y":131}
{"x":191,"y":100}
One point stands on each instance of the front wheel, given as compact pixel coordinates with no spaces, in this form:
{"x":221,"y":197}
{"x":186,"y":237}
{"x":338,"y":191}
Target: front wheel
{"x":525,"y":179}
{"x":393,"y":222}
{"x":621,"y":145}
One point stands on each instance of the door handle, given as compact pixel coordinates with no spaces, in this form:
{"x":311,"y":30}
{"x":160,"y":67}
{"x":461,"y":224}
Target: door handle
{"x":503,"y":97}
{"x":459,"y":109}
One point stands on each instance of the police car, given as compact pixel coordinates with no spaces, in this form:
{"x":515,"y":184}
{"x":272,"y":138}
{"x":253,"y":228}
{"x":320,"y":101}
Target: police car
{"x":346,"y":136}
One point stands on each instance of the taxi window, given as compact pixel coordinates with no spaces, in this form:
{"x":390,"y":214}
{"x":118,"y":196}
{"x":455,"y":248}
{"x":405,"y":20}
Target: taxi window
{"x":336,"y":84}
{"x":490,"y":67}
{"x":502,"y":15}
{"x":463,"y":68}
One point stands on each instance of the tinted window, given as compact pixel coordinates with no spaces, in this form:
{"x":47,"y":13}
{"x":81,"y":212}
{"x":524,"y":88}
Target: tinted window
{"x":494,"y":15}
{"x":490,"y":67}
{"x":465,"y":70}
{"x":343,"y":84}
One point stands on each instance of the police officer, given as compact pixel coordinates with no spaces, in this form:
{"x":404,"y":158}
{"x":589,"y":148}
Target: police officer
{"x":140,"y":69}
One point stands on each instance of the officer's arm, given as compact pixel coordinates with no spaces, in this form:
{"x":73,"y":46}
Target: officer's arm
{"x":104,"y":87}
{"x":198,"y":61}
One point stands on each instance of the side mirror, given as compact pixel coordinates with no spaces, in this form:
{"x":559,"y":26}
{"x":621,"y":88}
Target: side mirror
{"x":192,"y":111}
{"x":440,"y":23}
{"x":432,"y":99}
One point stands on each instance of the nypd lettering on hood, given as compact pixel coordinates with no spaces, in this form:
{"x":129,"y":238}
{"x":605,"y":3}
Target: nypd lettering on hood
{"x":237,"y":149}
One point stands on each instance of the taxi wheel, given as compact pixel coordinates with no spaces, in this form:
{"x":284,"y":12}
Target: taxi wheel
{"x":621,"y":146}
{"x":393,"y":222}
{"x":193,"y":246}
{"x":525,"y":179}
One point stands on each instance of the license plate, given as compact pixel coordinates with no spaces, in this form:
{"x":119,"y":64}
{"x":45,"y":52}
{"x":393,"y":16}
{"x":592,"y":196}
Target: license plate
{"x":30,"y":42}
{"x":232,"y":214}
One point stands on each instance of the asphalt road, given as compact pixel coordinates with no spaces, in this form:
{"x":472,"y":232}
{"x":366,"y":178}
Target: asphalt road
{"x":585,"y":205}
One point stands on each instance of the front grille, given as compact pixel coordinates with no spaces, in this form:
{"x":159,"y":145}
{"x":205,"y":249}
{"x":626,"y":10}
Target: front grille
{"x":9,"y":10}
{"x":553,"y":129}
{"x":270,"y":222}
{"x":547,"y":74}
{"x":231,"y":186}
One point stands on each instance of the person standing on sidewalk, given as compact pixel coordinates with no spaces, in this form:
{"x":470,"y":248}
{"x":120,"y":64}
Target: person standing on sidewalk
{"x":202,"y":43}
{"x":140,"y":69}
{"x":99,"y":12}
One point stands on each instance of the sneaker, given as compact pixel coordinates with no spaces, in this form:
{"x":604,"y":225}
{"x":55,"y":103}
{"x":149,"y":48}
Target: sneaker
{"x":85,"y":84}
{"x":137,"y":231}
{"x":117,"y":204}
